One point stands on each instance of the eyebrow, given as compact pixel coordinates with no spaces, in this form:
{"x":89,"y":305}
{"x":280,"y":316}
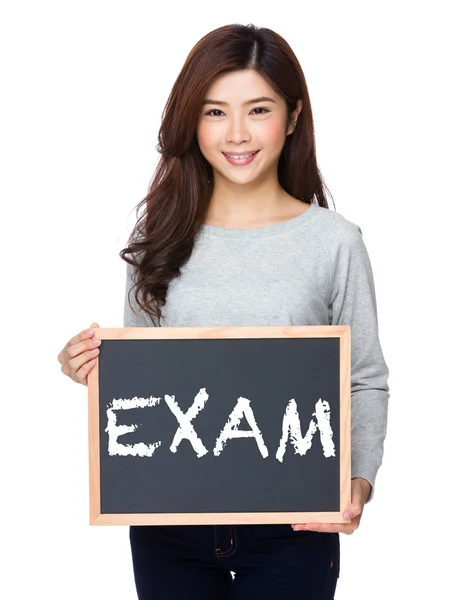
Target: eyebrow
{"x":253,"y":101}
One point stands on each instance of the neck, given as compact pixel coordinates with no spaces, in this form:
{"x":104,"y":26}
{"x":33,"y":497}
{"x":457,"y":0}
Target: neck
{"x":236,"y":205}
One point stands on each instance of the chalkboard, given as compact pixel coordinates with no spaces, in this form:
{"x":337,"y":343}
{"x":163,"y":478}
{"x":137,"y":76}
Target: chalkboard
{"x":196,"y":425}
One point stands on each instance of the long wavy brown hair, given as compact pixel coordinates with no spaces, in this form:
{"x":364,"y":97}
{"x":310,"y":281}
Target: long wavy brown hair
{"x":171,"y":214}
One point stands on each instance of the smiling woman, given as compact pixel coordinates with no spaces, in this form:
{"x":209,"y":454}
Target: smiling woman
{"x":245,"y":131}
{"x":241,"y":91}
{"x":236,"y":231}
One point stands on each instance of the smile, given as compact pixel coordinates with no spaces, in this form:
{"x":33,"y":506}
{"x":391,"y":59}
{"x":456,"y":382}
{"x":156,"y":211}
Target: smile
{"x":240,"y":159}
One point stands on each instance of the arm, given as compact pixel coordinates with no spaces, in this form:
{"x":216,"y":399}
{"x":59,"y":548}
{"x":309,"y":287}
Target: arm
{"x":353,"y":302}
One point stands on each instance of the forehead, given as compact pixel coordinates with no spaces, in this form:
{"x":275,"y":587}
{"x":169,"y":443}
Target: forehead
{"x":238,"y":86}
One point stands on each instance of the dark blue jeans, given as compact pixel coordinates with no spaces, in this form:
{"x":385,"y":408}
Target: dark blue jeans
{"x":194,"y":562}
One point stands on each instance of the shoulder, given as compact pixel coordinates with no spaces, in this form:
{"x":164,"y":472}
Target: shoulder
{"x":332,"y":226}
{"x":330,"y":221}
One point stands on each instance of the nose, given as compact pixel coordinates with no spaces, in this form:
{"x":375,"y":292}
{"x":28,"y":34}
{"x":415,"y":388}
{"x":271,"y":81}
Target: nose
{"x":237,"y":131}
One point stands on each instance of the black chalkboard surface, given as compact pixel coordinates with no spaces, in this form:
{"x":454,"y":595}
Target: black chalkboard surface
{"x":220,"y":425}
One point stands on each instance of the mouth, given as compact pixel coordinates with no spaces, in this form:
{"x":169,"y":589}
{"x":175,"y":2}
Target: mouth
{"x":240,"y":158}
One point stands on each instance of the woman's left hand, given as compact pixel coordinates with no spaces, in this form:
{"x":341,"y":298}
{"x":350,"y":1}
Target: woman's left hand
{"x":360,"y":490}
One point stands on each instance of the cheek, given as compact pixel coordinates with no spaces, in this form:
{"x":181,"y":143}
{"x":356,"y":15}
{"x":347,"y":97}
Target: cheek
{"x":205,"y":136}
{"x":274,"y":133}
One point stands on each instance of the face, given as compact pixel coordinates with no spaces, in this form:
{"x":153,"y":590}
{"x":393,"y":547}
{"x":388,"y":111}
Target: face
{"x":242,"y":127}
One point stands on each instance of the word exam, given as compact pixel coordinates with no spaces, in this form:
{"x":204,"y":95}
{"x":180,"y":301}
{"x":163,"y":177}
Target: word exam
{"x":291,"y":427}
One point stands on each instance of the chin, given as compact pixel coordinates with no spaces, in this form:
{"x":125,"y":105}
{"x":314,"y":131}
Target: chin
{"x":241,"y":180}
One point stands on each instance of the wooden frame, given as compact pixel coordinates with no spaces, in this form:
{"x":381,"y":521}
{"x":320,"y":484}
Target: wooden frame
{"x":342,"y":332}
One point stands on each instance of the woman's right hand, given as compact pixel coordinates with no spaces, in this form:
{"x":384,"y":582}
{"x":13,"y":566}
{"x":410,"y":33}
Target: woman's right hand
{"x":78,"y":356}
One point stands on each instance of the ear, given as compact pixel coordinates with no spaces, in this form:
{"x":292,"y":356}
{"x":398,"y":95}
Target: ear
{"x":294,"y":116}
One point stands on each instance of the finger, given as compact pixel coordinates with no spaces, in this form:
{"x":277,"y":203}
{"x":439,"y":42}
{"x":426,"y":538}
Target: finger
{"x":321,"y":527}
{"x":80,"y":353}
{"x":81,"y":376}
{"x":352,"y":511}
{"x":356,"y":505}
{"x":79,"y":361}
{"x":347,"y":528}
{"x":76,"y":355}
{"x":82,"y":336}
{"x":354,"y":524}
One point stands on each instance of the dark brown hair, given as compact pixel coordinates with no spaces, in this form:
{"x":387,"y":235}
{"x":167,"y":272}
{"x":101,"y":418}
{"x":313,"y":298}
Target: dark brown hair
{"x":171,"y":214}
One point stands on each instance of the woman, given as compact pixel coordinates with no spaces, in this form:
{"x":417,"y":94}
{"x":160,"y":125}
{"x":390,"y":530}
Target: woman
{"x":236,"y":230}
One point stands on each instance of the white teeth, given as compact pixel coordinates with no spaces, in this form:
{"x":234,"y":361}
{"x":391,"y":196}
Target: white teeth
{"x":241,"y":156}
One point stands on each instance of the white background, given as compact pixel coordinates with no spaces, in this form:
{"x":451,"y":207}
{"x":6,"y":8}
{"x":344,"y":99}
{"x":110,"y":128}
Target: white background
{"x":84,"y":84}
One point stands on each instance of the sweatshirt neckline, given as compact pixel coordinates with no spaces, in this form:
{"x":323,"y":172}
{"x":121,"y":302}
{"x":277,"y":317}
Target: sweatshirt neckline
{"x":255,"y":232}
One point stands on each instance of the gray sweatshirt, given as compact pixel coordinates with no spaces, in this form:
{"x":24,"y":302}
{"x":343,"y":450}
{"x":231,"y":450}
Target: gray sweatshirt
{"x":313,"y":269}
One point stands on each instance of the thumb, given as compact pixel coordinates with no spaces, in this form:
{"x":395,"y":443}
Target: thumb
{"x":94,"y":325}
{"x":355,"y":507}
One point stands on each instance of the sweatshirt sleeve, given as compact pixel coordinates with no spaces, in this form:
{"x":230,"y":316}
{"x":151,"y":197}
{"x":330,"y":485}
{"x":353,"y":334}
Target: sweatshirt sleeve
{"x":353,"y":302}
{"x":136,"y":317}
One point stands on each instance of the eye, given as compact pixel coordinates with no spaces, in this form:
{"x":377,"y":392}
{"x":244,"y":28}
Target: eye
{"x":259,"y":108}
{"x":214,"y":110}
